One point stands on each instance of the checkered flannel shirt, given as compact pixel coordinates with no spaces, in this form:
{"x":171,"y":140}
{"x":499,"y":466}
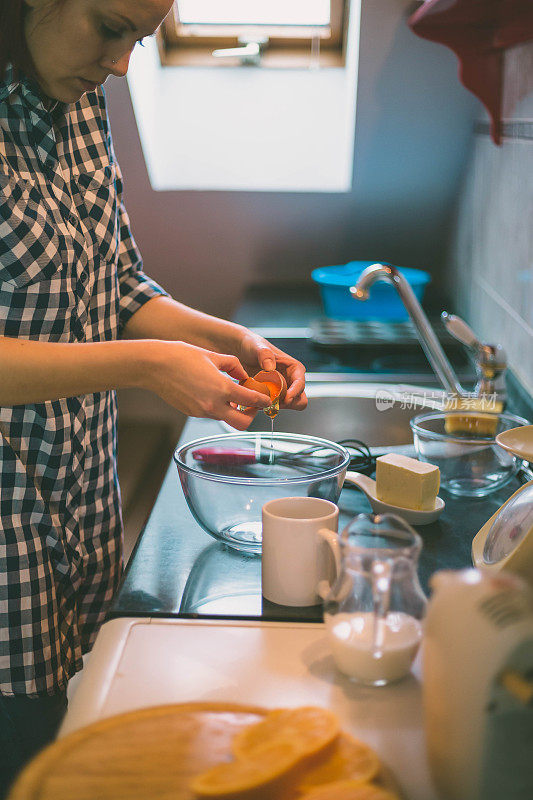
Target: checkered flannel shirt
{"x":69,"y":272}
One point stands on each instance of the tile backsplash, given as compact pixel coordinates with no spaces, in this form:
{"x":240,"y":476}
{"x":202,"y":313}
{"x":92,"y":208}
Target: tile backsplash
{"x":491,"y":253}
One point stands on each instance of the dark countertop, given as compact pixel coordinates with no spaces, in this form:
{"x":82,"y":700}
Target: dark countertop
{"x":293,"y":305}
{"x":177,"y":569}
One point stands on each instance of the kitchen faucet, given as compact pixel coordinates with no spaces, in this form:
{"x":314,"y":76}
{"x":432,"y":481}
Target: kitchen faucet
{"x":490,"y":360}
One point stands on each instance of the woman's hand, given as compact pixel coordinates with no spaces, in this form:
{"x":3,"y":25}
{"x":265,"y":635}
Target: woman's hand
{"x":198,"y":382}
{"x":257,"y":353}
{"x":167,"y":320}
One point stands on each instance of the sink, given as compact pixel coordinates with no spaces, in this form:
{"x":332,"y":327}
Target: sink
{"x":376,"y":413}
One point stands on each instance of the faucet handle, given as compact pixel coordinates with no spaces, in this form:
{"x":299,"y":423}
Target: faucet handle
{"x":490,"y":359}
{"x":491,"y":354}
{"x":460,"y":330}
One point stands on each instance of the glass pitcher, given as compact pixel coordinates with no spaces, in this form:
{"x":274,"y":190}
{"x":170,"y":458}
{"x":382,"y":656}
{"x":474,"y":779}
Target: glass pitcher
{"x":373,"y":610}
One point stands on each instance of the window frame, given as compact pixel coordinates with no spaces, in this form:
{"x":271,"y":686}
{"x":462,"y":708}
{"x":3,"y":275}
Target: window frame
{"x":179,"y":44}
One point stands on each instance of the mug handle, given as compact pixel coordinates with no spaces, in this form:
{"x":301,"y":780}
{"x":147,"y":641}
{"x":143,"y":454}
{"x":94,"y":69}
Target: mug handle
{"x":331,"y":539}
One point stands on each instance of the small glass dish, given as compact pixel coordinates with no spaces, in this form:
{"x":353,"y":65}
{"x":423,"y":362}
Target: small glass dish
{"x":470,"y":461}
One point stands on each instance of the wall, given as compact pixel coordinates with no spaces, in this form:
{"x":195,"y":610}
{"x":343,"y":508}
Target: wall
{"x":412,"y":137}
{"x":491,"y":255}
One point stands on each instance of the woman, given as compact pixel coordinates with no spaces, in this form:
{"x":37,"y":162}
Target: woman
{"x":78,"y":319}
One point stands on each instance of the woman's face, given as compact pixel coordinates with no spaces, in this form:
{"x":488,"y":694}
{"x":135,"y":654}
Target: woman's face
{"x":76,"y":44}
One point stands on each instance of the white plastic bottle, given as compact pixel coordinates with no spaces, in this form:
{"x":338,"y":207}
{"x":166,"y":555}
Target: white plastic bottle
{"x":478,"y":686}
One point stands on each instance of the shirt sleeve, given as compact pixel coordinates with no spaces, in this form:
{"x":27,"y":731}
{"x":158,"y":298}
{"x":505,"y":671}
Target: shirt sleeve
{"x":135,"y":287}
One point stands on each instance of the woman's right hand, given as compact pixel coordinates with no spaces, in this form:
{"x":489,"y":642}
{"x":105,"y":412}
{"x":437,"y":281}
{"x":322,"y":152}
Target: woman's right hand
{"x":199,"y":383}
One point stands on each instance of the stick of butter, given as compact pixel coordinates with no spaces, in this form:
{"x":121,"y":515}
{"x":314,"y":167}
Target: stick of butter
{"x":478,"y":416}
{"x":476,"y":423}
{"x":407,"y":483}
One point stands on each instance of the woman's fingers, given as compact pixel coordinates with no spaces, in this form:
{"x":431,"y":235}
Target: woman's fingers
{"x":297,"y":403}
{"x":212,"y":388}
{"x":257,"y":352}
{"x":240,"y":395}
{"x":198,"y":382}
{"x":266,"y":358}
{"x":229,"y":364}
{"x":238,"y":419}
{"x":248,"y":397}
{"x":294,"y":373}
{"x":296,"y":387}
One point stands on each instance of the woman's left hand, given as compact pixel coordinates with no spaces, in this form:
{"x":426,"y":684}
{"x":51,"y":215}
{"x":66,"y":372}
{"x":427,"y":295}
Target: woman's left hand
{"x":256,"y":353}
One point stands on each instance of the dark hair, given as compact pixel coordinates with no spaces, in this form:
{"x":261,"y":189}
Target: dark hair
{"x":13,"y":49}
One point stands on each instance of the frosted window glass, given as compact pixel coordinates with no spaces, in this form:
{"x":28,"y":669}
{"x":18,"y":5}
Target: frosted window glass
{"x":255,"y":12}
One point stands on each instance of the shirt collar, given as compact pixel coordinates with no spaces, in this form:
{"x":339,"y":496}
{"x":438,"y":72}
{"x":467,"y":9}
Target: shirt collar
{"x":27,"y":103}
{"x":9,"y":83}
{"x":28,"y":90}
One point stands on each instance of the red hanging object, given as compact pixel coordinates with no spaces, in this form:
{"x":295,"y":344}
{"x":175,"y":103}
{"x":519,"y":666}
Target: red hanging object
{"x":478,"y":31}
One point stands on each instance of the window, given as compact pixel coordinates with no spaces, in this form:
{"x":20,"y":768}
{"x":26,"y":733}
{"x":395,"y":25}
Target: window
{"x":247,"y":129}
{"x":266,"y":33}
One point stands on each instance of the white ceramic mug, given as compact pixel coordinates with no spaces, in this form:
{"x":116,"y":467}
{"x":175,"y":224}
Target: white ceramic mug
{"x":299,"y":549}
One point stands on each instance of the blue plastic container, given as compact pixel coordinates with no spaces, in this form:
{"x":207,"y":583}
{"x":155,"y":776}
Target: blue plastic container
{"x":383,"y":304}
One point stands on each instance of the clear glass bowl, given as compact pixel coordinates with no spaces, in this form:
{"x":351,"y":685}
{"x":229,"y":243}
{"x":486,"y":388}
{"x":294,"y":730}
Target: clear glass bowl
{"x":471,"y":463}
{"x":227,"y":479}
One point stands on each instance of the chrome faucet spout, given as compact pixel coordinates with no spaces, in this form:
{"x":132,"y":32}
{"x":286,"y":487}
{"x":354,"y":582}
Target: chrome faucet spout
{"x":430,"y":344}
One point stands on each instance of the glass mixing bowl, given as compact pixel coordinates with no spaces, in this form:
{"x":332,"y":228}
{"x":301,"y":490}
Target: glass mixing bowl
{"x":227,"y":479}
{"x":471,"y":464}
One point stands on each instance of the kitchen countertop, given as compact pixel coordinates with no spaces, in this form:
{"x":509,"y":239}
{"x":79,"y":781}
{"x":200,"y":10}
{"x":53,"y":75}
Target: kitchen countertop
{"x":178,"y":570}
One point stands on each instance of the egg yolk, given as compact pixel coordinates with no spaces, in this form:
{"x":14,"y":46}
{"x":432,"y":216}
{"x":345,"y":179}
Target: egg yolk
{"x":273,"y":389}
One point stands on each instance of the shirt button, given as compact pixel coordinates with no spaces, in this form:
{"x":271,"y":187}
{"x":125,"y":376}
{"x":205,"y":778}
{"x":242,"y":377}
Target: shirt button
{"x":72,"y":218}
{"x":84,"y":277}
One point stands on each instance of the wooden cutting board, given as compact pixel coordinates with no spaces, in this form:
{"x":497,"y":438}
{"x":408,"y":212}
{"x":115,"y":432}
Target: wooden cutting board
{"x":150,"y":754}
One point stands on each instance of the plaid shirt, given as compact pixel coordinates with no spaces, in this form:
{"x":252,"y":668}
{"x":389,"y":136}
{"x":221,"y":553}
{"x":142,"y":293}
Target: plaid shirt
{"x":69,"y":272}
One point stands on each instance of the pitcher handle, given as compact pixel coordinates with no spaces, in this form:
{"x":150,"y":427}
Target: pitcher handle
{"x":332,"y":540}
